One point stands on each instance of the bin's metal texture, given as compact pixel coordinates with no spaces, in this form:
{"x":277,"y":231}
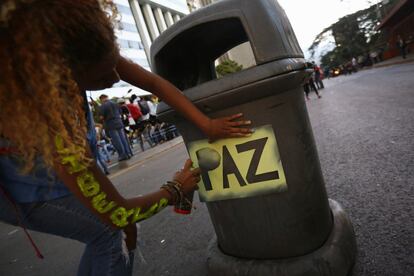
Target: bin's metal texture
{"x":277,"y":225}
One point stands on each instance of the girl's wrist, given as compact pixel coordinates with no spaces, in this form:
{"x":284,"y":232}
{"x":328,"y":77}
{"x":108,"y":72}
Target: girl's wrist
{"x":202,"y":121}
{"x":167,"y":195}
{"x":175,"y":191}
{"x":206,"y":127}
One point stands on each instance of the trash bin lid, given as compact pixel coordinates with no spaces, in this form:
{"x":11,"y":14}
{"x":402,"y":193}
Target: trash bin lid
{"x":185,"y":53}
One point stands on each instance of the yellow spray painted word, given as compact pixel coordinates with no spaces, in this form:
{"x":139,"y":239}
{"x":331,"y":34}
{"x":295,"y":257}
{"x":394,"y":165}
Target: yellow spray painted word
{"x":90,"y":188}
{"x":239,"y":167}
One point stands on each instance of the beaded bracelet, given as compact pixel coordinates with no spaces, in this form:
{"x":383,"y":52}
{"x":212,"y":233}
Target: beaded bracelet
{"x":174,"y":189}
{"x":177,"y":185}
{"x":173,"y":193}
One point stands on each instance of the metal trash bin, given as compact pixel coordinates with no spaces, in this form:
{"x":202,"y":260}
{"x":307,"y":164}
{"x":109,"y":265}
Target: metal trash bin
{"x":290,"y":215}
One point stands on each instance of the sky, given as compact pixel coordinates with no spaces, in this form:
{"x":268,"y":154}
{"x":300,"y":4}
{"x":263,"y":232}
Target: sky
{"x":310,"y":17}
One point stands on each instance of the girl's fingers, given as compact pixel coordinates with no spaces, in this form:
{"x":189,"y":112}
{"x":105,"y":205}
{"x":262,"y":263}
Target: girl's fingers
{"x":240,"y":130}
{"x":196,"y":172}
{"x":237,"y":135}
{"x":234,"y":116}
{"x":188,"y":164}
{"x":240,"y":123}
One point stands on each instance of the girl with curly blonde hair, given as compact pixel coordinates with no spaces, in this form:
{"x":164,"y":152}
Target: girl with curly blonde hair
{"x":51,"y":53}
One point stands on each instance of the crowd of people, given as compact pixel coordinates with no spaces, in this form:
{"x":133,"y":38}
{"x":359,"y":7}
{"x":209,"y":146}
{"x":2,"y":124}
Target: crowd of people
{"x":370,"y":57}
{"x":123,"y":123}
{"x":314,"y":81}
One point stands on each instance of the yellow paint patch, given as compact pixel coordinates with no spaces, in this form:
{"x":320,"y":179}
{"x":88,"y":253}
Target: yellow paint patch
{"x":239,"y":167}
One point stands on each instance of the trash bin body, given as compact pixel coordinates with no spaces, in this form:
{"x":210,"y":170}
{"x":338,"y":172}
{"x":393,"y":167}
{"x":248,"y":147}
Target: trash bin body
{"x":284,"y":224}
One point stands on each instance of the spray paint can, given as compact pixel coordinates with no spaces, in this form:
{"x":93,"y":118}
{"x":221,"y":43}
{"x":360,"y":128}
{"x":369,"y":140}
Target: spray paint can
{"x":185,"y":204}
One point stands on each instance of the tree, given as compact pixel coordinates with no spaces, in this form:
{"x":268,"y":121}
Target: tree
{"x":354,"y":35}
{"x":228,"y":67}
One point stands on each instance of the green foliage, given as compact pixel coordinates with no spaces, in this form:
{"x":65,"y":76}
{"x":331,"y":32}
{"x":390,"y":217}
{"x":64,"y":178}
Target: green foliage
{"x":354,"y":35}
{"x":228,"y":67}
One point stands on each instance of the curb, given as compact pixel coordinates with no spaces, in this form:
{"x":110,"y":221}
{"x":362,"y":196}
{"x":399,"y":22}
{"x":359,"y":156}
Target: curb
{"x":408,"y":60}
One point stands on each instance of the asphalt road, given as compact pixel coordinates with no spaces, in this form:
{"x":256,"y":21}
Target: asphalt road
{"x":364,"y":131}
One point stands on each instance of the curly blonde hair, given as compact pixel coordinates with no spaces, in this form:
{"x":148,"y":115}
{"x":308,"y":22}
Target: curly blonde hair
{"x":42,"y":43}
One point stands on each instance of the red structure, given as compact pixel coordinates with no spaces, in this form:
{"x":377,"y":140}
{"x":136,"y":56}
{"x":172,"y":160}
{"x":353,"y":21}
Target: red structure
{"x":399,"y":21}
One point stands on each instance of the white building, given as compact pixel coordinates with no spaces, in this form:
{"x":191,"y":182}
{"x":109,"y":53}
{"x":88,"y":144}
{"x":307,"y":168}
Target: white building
{"x":142,"y":21}
{"x":196,"y":4}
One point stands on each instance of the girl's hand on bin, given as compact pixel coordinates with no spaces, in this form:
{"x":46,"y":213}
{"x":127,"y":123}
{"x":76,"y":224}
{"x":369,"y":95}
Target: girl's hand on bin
{"x":188,"y":177}
{"x":228,"y":127}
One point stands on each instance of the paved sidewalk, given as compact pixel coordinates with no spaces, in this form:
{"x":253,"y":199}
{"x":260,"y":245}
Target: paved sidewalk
{"x":140,"y":156}
{"x":395,"y":60}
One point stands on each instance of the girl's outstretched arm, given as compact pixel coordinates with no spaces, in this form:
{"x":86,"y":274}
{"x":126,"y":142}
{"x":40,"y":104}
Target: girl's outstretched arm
{"x":214,"y":128}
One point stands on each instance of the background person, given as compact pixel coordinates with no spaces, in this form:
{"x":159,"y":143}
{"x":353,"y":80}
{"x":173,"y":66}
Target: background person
{"x":102,"y":143}
{"x":402,"y":45}
{"x":128,"y":124}
{"x":152,"y":109}
{"x":309,"y":84}
{"x":144,"y":107}
{"x":318,"y":77}
{"x":114,"y":127}
{"x":140,"y":128}
{"x":136,"y":118}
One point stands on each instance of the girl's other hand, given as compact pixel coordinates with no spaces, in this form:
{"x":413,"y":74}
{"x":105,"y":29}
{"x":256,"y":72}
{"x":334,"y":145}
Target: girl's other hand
{"x":188,"y":177}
